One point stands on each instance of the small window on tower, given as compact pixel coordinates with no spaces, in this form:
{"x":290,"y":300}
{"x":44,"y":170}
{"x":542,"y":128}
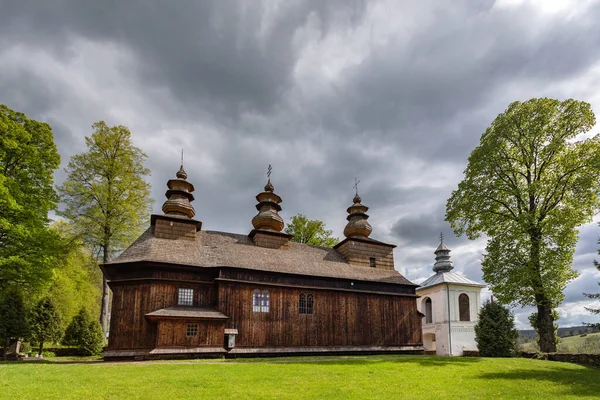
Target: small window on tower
{"x":185,"y":297}
{"x":372,"y":262}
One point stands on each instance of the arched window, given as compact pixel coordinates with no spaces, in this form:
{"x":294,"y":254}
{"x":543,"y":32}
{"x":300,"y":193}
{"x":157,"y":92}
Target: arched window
{"x":428,"y":311}
{"x":463,"y":307}
{"x":306,"y":303}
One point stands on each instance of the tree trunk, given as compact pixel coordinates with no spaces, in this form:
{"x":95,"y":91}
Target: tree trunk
{"x":105,"y":288}
{"x":41,"y":348}
{"x":5,"y":349}
{"x":545,"y":328}
{"x":104,"y":307}
{"x":545,"y":320}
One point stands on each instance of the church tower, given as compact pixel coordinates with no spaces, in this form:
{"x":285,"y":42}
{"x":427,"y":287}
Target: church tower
{"x":268,"y":225}
{"x":358,"y":249}
{"x":450,"y":304}
{"x":177,"y":221}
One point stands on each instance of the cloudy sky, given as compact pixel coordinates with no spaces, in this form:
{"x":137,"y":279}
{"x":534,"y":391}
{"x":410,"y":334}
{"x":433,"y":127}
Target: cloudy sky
{"x":397,"y":93}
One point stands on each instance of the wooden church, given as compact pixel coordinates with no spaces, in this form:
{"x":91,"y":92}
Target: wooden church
{"x":180,"y":291}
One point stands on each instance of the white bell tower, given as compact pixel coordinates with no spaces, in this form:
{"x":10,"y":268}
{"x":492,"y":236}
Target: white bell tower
{"x":450,"y":303}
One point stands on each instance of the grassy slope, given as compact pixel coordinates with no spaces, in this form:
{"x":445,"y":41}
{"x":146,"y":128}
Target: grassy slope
{"x":576,"y":340}
{"x":349,"y":377}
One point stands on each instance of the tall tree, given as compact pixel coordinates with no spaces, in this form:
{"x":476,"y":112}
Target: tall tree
{"x":13,"y":318}
{"x":594,"y":296}
{"x":310,"y":232}
{"x":528,"y":186}
{"x":106,"y":195}
{"x":46,"y":323}
{"x":28,"y":158}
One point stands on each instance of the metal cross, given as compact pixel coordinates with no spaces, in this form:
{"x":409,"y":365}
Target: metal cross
{"x":269,"y":171}
{"x":356,"y":182}
{"x":182,"y":157}
{"x":441,"y":237}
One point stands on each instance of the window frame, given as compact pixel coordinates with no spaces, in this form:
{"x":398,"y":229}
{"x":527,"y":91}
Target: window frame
{"x":191,"y":330}
{"x":464,"y":308}
{"x":372,"y":262}
{"x":428,"y":310}
{"x":306,"y":304}
{"x":261,"y":301}
{"x":185,"y":297}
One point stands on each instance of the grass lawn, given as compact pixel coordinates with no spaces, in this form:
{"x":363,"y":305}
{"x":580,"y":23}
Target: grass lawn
{"x":389,"y":377}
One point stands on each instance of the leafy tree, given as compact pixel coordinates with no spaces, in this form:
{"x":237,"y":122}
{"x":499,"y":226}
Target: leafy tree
{"x":595,"y":296}
{"x":85,"y":333}
{"x":77,"y":280}
{"x":495,"y":332}
{"x":13,"y":318}
{"x":106,"y":196}
{"x":45,"y":323}
{"x":310,"y":232}
{"x":528,"y":186}
{"x":28,"y":158}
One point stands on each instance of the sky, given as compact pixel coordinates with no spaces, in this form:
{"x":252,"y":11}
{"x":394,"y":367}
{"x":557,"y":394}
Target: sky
{"x":395,"y":93}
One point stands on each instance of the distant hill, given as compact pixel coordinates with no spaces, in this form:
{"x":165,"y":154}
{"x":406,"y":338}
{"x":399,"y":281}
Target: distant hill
{"x":527,"y":335}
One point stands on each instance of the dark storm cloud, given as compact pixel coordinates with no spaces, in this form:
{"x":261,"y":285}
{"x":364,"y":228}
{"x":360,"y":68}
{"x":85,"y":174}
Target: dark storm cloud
{"x":224,"y":56}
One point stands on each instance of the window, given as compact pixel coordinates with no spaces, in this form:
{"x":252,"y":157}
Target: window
{"x":260,"y":301}
{"x":372,"y":262}
{"x":192,"y":330}
{"x":428,"y":311}
{"x":185,"y":297}
{"x":463,"y":307}
{"x":306,"y":303}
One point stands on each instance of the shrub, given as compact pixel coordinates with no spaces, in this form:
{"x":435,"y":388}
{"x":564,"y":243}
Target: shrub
{"x":45,"y":323}
{"x":495,"y":331}
{"x":85,"y":333}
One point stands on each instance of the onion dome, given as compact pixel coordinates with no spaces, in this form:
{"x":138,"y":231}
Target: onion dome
{"x":268,"y":207}
{"x":179,"y":196}
{"x":442,"y":258}
{"x":357,"y":225}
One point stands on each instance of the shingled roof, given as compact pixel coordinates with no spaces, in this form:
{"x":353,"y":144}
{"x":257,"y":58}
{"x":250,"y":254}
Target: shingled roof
{"x":220,"y":249}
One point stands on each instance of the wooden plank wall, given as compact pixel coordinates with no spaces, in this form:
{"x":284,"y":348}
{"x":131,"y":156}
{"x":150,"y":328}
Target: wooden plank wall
{"x":172,"y":333}
{"x":129,"y":329}
{"x":339,"y":319}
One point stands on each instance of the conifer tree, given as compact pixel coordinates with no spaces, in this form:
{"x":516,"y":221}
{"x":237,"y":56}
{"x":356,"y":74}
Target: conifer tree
{"x":13,"y":318}
{"x":45,"y":323}
{"x":495,"y":331}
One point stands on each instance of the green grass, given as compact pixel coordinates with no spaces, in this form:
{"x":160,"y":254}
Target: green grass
{"x":589,"y":344}
{"x":389,"y":377}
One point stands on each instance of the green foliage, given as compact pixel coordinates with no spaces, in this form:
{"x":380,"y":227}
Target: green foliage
{"x":77,"y":280}
{"x":45,"y":323}
{"x":495,"y":331}
{"x":93,"y":339}
{"x":529,"y":185}
{"x":311,"y":232}
{"x":85,"y":333}
{"x":28,"y":158}
{"x":594,"y":296}
{"x":106,"y":196}
{"x":13,"y":317}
